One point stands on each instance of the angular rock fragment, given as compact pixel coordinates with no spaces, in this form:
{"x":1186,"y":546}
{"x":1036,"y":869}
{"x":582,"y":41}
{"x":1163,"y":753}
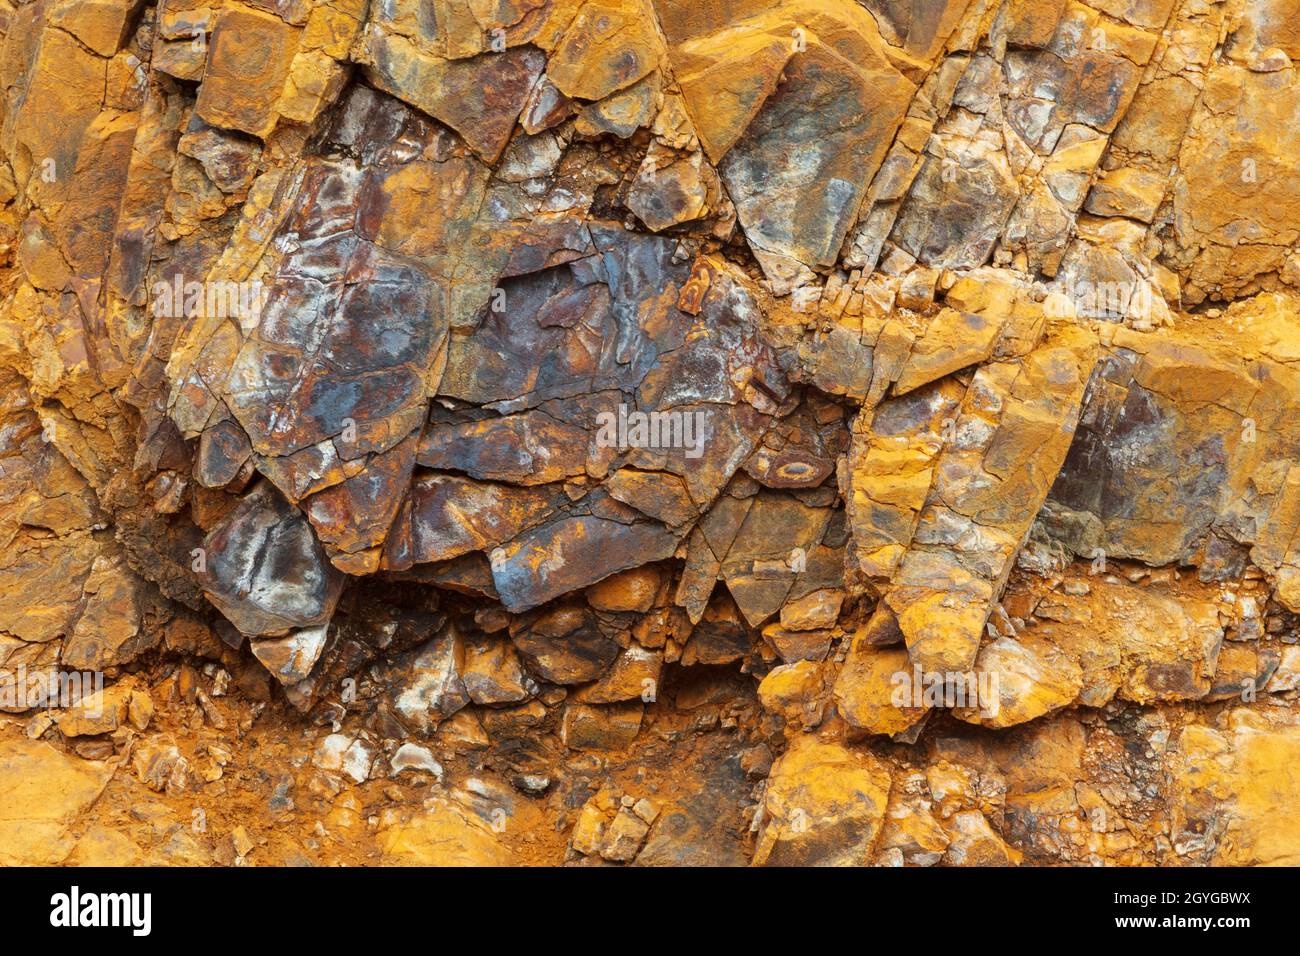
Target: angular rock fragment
{"x":874,"y":690}
{"x":825,"y":806}
{"x":1026,"y":678}
{"x":607,"y":47}
{"x":973,"y":843}
{"x":292,"y":658}
{"x":610,"y":727}
{"x":1011,"y":436}
{"x":841,"y":101}
{"x":1227,"y":787}
{"x":42,"y":794}
{"x":492,"y":673}
{"x":480,"y":98}
{"x":265,"y":570}
{"x":549,"y":562}
{"x":634,"y":675}
{"x":445,"y":834}
{"x":565,"y":645}
{"x":429,"y":685}
{"x":245,"y":70}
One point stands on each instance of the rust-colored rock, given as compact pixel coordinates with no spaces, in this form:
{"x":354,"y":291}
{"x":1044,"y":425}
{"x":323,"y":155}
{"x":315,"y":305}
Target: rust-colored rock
{"x":644,"y":432}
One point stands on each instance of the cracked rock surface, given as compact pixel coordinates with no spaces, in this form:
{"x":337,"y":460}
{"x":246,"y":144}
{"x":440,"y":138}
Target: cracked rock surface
{"x":649,"y":432}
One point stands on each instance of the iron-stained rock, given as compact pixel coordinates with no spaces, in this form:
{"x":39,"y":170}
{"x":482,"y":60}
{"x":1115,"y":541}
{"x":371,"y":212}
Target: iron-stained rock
{"x":824,"y":806}
{"x":265,"y":570}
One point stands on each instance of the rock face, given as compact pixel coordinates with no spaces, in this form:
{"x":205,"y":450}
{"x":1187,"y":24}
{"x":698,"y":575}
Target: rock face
{"x":36,"y":828}
{"x":881,"y":415}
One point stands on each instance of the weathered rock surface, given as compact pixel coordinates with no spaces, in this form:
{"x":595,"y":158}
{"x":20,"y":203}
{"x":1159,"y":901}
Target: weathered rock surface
{"x":442,"y":835}
{"x":824,"y":807}
{"x":42,"y":794}
{"x":873,"y":424}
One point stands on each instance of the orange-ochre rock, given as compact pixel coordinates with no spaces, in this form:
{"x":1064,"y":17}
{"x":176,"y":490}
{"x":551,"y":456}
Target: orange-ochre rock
{"x":648,"y":432}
